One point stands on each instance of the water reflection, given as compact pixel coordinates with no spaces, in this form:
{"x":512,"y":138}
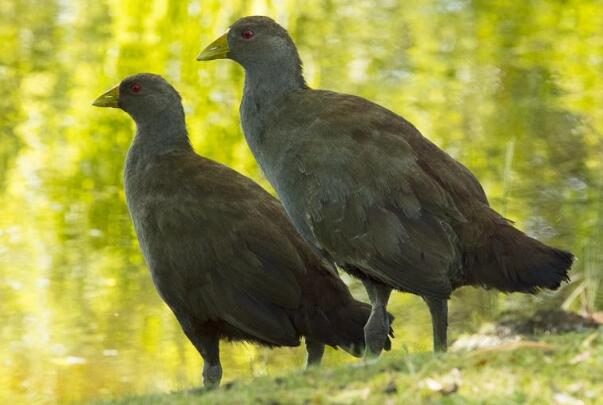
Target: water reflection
{"x":513,"y":90}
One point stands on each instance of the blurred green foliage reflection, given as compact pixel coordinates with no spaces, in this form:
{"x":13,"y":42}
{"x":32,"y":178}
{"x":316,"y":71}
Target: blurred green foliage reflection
{"x":512,"y":89}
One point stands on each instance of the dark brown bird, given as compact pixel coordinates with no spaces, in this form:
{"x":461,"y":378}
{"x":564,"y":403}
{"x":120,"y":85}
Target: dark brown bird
{"x":221,"y":250}
{"x":362,"y":185}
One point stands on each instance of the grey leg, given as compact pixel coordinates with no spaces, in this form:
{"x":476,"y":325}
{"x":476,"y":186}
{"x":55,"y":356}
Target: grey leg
{"x":439,"y":319}
{"x":315,"y":351}
{"x":377,"y":326}
{"x":212,"y":369}
{"x":209,"y":348}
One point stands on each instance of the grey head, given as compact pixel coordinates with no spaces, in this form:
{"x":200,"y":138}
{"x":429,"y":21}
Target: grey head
{"x":153,"y":103}
{"x":144,"y":96}
{"x":261,"y":46}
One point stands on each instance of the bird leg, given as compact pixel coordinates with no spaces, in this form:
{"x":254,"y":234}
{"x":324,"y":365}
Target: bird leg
{"x":376,"y":329}
{"x":212,"y":369}
{"x":209,"y":348}
{"x":315,"y":351}
{"x":439,"y":319}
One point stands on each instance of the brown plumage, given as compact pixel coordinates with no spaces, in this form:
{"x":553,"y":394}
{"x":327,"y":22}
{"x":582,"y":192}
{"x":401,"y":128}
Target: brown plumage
{"x":222,"y":253}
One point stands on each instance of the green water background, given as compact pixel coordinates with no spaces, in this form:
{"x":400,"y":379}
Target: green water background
{"x":514,"y":90}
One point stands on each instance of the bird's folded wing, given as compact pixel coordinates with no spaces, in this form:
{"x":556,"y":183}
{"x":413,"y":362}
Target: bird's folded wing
{"x":251,"y":267}
{"x":367,"y":198}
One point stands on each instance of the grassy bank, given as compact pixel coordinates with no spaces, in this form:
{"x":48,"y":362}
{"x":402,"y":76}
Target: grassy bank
{"x":562,"y":369}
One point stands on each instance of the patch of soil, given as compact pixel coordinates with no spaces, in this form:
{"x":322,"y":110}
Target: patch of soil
{"x":512,"y":329}
{"x":545,"y":321}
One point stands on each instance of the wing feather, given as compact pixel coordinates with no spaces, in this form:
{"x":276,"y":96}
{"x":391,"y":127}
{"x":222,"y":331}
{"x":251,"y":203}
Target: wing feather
{"x":224,"y":258}
{"x":363,"y":196}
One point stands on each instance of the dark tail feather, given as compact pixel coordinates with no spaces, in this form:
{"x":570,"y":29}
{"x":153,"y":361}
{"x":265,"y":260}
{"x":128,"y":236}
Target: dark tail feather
{"x":515,"y":262}
{"x":344,"y":327}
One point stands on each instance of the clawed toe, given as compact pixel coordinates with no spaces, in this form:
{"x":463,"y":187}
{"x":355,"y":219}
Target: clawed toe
{"x":376,"y":333}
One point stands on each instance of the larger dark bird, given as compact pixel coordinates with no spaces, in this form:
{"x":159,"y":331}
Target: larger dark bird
{"x":221,"y":250}
{"x":363,"y":186}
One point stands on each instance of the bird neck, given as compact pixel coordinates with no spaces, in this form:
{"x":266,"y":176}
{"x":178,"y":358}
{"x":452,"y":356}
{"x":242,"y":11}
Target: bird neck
{"x":268,"y":82}
{"x":265,"y":88}
{"x":161,"y":133}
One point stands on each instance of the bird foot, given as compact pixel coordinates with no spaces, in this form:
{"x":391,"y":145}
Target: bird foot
{"x":212,"y":376}
{"x":376,"y":332}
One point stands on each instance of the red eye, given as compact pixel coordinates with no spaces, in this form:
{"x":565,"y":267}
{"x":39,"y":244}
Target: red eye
{"x":135,"y":87}
{"x":247,"y":34}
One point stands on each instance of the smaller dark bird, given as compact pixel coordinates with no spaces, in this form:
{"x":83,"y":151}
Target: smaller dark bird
{"x":222,"y":252}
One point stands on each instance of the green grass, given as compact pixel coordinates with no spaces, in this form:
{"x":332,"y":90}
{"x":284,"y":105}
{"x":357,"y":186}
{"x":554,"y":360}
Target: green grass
{"x":556,"y":369}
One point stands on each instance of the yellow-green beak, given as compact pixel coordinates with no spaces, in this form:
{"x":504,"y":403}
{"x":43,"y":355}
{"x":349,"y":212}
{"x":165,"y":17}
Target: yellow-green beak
{"x":110,"y":98}
{"x":216,"y":50}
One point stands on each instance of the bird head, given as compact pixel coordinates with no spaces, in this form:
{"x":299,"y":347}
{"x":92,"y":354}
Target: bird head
{"x":254,"y":42}
{"x":142,"y":96}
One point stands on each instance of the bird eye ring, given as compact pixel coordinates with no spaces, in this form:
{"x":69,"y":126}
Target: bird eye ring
{"x":135,"y":87}
{"x":247,"y":34}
